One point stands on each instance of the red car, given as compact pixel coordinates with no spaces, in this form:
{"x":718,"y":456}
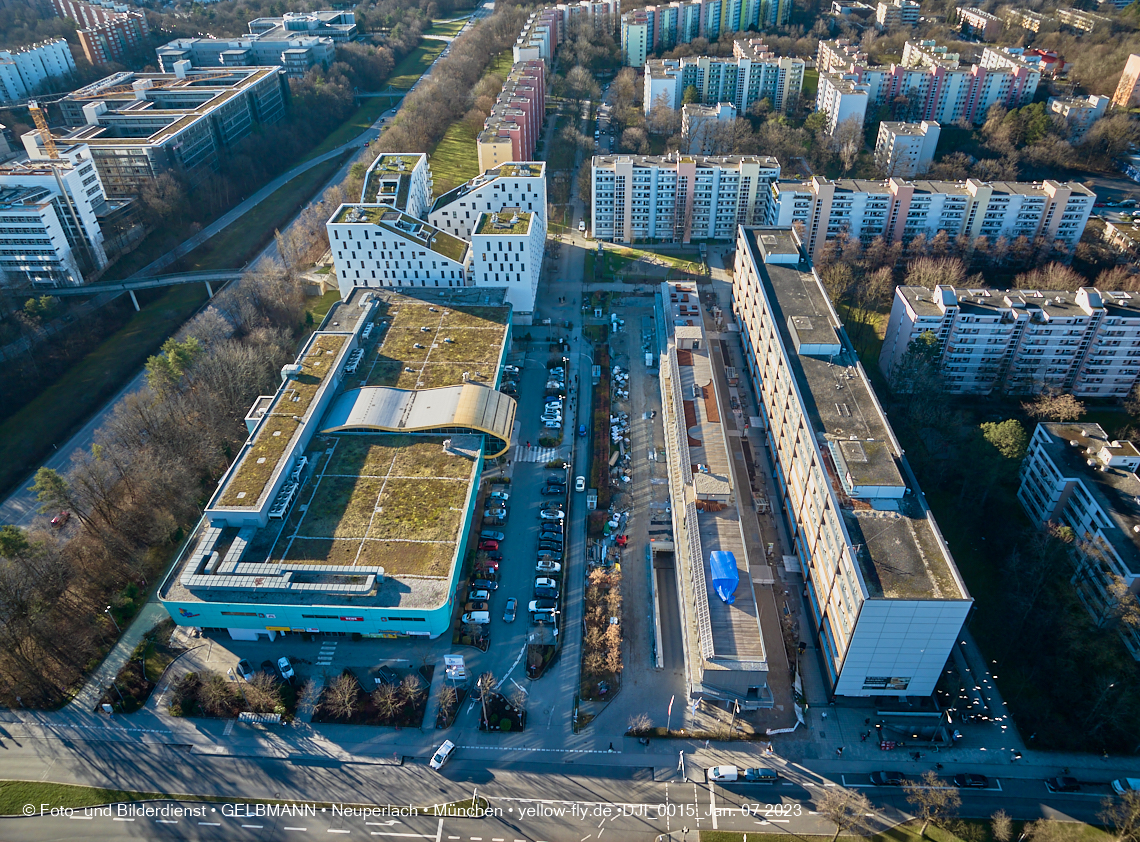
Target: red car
{"x":488,"y":545}
{"x":60,"y":519}
{"x":487,"y":564}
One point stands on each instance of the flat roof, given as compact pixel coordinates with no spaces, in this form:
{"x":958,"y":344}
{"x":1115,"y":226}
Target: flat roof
{"x":389,"y":179}
{"x":902,"y":555}
{"x":508,"y":221}
{"x":412,"y":229}
{"x":705,"y":161}
{"x":510,"y":169}
{"x":378,"y":517}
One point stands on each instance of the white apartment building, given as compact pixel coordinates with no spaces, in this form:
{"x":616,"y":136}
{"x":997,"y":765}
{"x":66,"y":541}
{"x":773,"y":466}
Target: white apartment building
{"x":1128,"y":89}
{"x":49,"y":220}
{"x":839,"y":56}
{"x":898,"y":210}
{"x":679,"y":198}
{"x":489,"y":232}
{"x":752,"y":74}
{"x":401,"y":180}
{"x":896,"y":13}
{"x":701,"y":123}
{"x":904,"y":150}
{"x":981,"y":25}
{"x":27,"y":71}
{"x":1080,"y":112}
{"x":1081,"y":21}
{"x":841,"y":99}
{"x":886,"y":600}
{"x":1074,"y":475}
{"x":520,"y":184}
{"x":1021,"y":341}
{"x":1030,"y":21}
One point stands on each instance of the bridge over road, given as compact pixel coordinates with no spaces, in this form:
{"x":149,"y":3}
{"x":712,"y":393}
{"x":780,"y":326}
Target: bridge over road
{"x":129,"y":286}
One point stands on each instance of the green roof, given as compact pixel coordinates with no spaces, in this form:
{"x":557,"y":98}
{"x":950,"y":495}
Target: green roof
{"x":507,"y":221}
{"x":412,"y":229}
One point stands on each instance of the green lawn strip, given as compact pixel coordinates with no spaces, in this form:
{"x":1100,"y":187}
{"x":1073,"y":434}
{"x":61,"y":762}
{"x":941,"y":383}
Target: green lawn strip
{"x":405,"y":74}
{"x":29,"y":434}
{"x":14,"y":795}
{"x":502,"y":63}
{"x":370,"y":108}
{"x":236,"y":244}
{"x":811,"y":83}
{"x":454,"y":159}
{"x":319,"y":308}
{"x":449,"y":28}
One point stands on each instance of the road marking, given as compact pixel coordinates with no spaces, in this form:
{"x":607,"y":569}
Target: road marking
{"x":254,"y":826}
{"x":213,"y":824}
{"x":84,"y":818}
{"x":302,"y":829}
{"x":332,"y":830}
{"x":712,"y":805}
{"x":165,"y":821}
{"x":120,"y":819}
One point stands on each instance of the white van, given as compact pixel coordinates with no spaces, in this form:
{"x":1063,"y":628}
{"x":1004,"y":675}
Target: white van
{"x":478,"y":618}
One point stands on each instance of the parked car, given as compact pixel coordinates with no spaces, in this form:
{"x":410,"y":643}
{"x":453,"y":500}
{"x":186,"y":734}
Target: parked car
{"x":550,"y":546}
{"x":545,"y":582}
{"x":968,"y":780}
{"x":511,"y":369}
{"x":888,"y":778}
{"x":509,"y":611}
{"x":481,"y":605}
{"x":549,"y":399}
{"x":484,"y":585}
{"x":499,"y":495}
{"x":478,"y":595}
{"x":1063,"y":784}
{"x":245,"y":670}
{"x":494,"y":520}
{"x":488,"y":545}
{"x":543,"y":608}
{"x":582,"y":222}
{"x":553,"y":490}
{"x":552,"y":514}
{"x":497,"y":514}
{"x":1123,"y":785}
{"x":495,"y":556}
{"x":285,"y":668}
{"x":476,"y":618}
{"x":491,"y":535}
{"x":580,"y":484}
{"x":551,"y":425}
{"x":550,"y":555}
{"x":60,"y":519}
{"x":548,"y":567}
{"x":546,"y":593}
{"x":442,"y":755}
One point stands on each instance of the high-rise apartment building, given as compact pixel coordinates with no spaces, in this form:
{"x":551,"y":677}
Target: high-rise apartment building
{"x":489,"y":232}
{"x":979,"y":24}
{"x":1074,"y":475}
{"x":700,"y":125}
{"x":511,"y":130}
{"x":886,"y":600}
{"x":1079,"y":112}
{"x":546,"y":28}
{"x":752,"y":74}
{"x":108,"y":31}
{"x":50,"y":214}
{"x":27,"y":71}
{"x":663,"y":27}
{"x":1023,"y":340}
{"x":678,"y":198}
{"x":896,"y":13}
{"x":899,"y":210}
{"x":841,"y":99}
{"x":138,"y":125}
{"x":297,"y":42}
{"x":904,"y":150}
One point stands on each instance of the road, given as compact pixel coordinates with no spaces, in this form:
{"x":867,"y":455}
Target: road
{"x":20,"y":507}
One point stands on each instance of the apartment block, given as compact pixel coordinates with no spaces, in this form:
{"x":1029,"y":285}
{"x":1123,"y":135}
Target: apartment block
{"x":700,"y":125}
{"x":663,"y":27}
{"x":297,"y":42}
{"x":546,"y":28}
{"x":35,"y":69}
{"x":679,"y":198}
{"x":1074,"y":475}
{"x":517,"y":184}
{"x":839,"y":55}
{"x":1128,"y":89}
{"x":108,"y":31}
{"x":511,"y":130}
{"x":1021,"y":341}
{"x":979,"y":24}
{"x":1081,"y":21}
{"x":752,"y":74}
{"x":50,"y":215}
{"x":886,"y":600}
{"x":1080,"y":112}
{"x":138,"y":125}
{"x":489,"y":232}
{"x":1030,"y":21}
{"x":841,"y":99}
{"x":904,"y":150}
{"x":896,"y":13}
{"x":899,"y":210}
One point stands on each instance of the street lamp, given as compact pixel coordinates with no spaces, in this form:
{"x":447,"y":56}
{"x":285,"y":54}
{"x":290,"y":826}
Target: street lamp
{"x":107,"y":611}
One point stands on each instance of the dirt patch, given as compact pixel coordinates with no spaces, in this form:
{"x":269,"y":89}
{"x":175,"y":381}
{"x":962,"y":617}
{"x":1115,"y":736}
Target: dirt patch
{"x":323,"y":551}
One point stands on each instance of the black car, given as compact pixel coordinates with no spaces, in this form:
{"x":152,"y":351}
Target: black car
{"x":1063,"y":784}
{"x":546,"y":593}
{"x":544,"y":605}
{"x":550,"y":555}
{"x":484,"y":585}
{"x":551,"y":526}
{"x":888,"y":778}
{"x":553,"y":491}
{"x":967,"y":780}
{"x":552,"y":546}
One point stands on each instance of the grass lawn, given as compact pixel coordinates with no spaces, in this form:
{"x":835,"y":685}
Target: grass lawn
{"x":27,"y":436}
{"x":811,"y":83}
{"x":454,"y":159}
{"x":320,"y":306}
{"x":235,"y":245}
{"x":449,"y":28}
{"x":407,"y":72}
{"x":502,"y":63}
{"x":419,"y":510}
{"x":15,"y":794}
{"x":370,"y":108}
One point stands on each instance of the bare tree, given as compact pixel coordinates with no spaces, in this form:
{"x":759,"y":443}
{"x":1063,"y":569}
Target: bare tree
{"x":845,"y":808}
{"x":307,"y":697}
{"x":932,"y":800}
{"x":1122,"y":814}
{"x":412,"y":689}
{"x":387,"y":699}
{"x":1055,"y":405}
{"x":639,"y":723}
{"x":263,"y":693}
{"x":1001,"y":826}
{"x":342,"y":697}
{"x":486,"y":684}
{"x":847,"y":140}
{"x":449,"y":699}
{"x":215,"y":694}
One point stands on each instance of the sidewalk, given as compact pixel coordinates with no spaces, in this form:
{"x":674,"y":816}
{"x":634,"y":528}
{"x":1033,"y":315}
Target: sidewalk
{"x":85,"y":700}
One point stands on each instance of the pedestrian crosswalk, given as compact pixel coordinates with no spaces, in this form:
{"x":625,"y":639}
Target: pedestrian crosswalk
{"x":325,"y":657}
{"x":535,"y":454}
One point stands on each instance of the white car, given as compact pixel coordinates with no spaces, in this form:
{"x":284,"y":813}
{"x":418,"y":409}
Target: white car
{"x":285,"y":668}
{"x":582,"y":222}
{"x":545,"y":582}
{"x":442,"y":755}
{"x":722,"y":773}
{"x":552,"y":425}
{"x":548,"y":567}
{"x":511,"y":369}
{"x":478,"y":595}
{"x":552,"y":514}
{"x":499,"y":495}
{"x":580,"y":484}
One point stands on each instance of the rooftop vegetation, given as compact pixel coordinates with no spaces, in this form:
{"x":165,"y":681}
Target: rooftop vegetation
{"x":500,"y":223}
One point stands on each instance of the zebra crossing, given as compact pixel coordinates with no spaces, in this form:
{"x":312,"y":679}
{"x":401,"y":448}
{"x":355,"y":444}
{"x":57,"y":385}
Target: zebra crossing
{"x":535,"y":454}
{"x":324,"y":659}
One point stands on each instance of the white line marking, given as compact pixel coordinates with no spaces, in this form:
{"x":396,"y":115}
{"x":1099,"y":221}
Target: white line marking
{"x":302,"y":829}
{"x":119,"y":819}
{"x":712,"y":805}
{"x":210,"y":824}
{"x":332,"y":830}
{"x":165,"y":821}
{"x":254,"y":826}
{"x":84,"y":818}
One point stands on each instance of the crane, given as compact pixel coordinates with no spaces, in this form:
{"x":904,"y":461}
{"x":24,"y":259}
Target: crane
{"x":42,"y":127}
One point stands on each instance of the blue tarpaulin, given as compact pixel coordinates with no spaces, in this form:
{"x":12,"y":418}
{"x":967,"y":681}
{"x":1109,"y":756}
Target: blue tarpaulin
{"x":725,"y":576}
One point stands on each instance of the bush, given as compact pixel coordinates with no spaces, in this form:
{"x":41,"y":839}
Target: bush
{"x":548,"y":441}
{"x":505,"y":724}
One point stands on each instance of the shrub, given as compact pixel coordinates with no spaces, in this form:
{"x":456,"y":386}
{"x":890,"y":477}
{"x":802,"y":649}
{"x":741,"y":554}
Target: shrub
{"x":505,"y":724}
{"x":548,"y":441}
